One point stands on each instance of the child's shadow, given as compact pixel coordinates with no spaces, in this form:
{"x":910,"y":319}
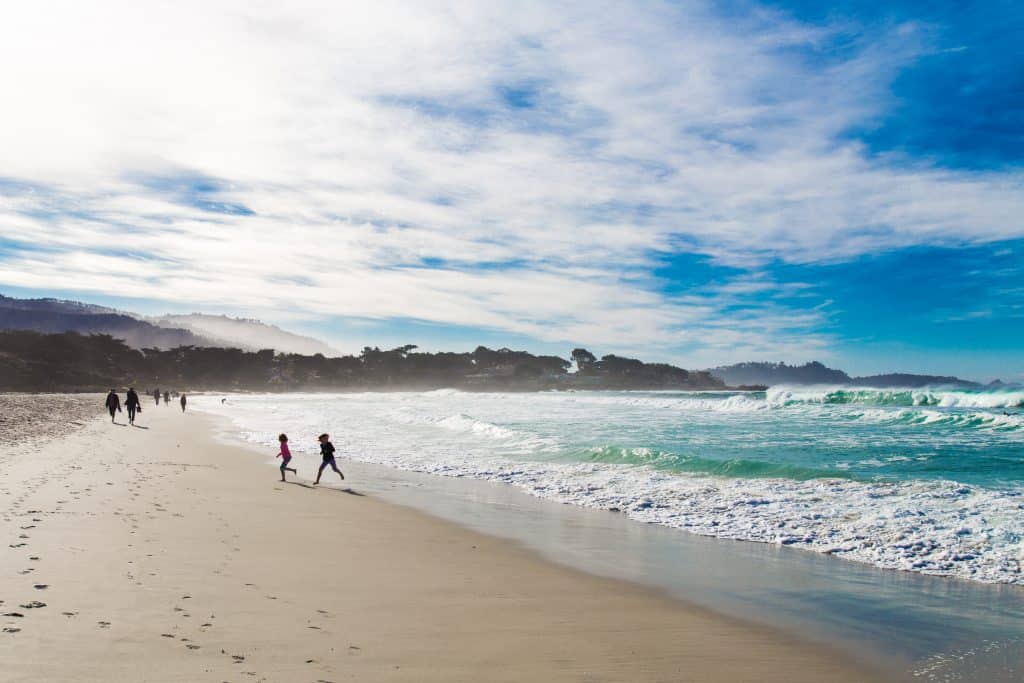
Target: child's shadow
{"x":348,"y":491}
{"x":299,"y":483}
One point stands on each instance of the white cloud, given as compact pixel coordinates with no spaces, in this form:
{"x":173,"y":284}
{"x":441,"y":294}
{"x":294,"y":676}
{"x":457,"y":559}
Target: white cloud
{"x":371,"y":143}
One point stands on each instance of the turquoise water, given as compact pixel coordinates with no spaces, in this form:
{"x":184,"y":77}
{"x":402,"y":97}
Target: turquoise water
{"x":803,"y":434}
{"x":929,"y":481}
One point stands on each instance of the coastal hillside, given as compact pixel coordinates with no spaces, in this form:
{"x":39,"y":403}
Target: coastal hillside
{"x":817,"y":373}
{"x":50,"y":316}
{"x":245,"y":333}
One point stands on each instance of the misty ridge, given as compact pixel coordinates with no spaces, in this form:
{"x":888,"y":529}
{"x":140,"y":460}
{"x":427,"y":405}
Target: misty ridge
{"x":161,"y":332}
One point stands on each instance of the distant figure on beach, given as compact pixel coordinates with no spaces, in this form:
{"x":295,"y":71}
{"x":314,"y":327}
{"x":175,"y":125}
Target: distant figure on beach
{"x":167,"y":398}
{"x":327,"y":452}
{"x":183,"y":402}
{"x":113,"y":404}
{"x":133,"y":404}
{"x":156,"y":395}
{"x":285,"y":455}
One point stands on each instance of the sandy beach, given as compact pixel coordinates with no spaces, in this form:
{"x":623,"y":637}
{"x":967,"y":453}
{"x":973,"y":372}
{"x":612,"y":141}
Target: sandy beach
{"x":158,"y":553}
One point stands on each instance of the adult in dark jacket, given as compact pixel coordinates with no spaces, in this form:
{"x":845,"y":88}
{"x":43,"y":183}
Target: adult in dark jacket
{"x":133,"y":404}
{"x":113,"y":404}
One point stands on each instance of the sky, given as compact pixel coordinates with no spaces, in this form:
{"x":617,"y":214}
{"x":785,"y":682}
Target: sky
{"x":693,"y":182}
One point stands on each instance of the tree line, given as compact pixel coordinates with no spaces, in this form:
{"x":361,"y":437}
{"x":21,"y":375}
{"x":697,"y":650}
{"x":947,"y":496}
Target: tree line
{"x":31,"y":361}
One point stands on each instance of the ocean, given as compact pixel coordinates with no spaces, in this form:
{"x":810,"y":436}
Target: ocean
{"x":918,"y":480}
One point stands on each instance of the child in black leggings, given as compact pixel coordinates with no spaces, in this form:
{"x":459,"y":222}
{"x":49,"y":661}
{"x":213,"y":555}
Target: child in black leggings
{"x":327,"y":453}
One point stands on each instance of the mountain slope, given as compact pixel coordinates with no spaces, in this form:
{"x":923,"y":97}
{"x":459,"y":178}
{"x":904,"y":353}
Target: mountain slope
{"x":51,"y":316}
{"x":54,"y":315}
{"x":251,"y":335}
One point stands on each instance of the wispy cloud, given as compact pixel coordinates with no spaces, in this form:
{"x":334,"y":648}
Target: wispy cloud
{"x":521,"y":167}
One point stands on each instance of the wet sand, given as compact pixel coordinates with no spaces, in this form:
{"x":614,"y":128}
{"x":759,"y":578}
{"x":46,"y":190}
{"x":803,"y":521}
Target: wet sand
{"x":157,"y":553}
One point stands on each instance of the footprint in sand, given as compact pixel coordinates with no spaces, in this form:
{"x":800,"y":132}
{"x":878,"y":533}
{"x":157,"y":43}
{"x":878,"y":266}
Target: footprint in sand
{"x":192,"y":647}
{"x":41,"y":586}
{"x":103,"y":624}
{"x":18,"y":615}
{"x":167,"y":635}
{"x":70,"y":614}
{"x":35,"y":604}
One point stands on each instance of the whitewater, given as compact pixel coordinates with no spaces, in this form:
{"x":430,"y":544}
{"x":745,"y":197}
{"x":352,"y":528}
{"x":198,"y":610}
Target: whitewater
{"x":922,"y":480}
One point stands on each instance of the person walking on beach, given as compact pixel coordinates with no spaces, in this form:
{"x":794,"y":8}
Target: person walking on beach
{"x":327,"y":453}
{"x":167,"y":398}
{"x":156,"y":395}
{"x":183,"y":402}
{"x":133,"y":404}
{"x":285,"y":455}
{"x":113,"y":404}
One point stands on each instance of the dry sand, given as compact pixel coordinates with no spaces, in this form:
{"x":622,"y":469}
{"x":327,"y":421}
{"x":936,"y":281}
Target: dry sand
{"x":159,"y":554}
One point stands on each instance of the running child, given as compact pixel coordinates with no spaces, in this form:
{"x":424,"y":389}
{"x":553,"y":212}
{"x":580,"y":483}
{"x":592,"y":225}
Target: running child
{"x":285,"y":455}
{"x":327,"y":452}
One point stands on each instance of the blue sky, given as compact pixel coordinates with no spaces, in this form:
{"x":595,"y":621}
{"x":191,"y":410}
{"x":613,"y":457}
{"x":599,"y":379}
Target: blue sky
{"x":694,"y":182}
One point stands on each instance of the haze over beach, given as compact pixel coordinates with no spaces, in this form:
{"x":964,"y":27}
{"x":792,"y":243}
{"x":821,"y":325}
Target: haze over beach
{"x":596,"y":341}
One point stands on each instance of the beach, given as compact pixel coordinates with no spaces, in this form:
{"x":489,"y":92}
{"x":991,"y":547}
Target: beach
{"x":159,"y":553}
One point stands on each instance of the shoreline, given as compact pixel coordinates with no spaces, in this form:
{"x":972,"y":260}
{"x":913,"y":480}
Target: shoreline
{"x":131,"y":521}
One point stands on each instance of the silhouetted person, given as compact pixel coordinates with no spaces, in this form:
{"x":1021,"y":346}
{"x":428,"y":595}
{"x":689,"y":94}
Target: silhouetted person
{"x":327,"y":453}
{"x":132,"y":404}
{"x":183,"y":402}
{"x":167,"y":398}
{"x":156,"y":395}
{"x":113,"y":404}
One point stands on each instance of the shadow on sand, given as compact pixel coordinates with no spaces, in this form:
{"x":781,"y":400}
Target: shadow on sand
{"x":348,"y":491}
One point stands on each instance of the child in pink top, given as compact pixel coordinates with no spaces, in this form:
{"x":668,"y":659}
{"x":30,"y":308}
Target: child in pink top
{"x":285,"y":455}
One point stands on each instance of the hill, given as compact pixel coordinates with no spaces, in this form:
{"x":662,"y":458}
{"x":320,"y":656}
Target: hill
{"x":817,"y":373}
{"x":51,"y":316}
{"x":244,"y":333}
